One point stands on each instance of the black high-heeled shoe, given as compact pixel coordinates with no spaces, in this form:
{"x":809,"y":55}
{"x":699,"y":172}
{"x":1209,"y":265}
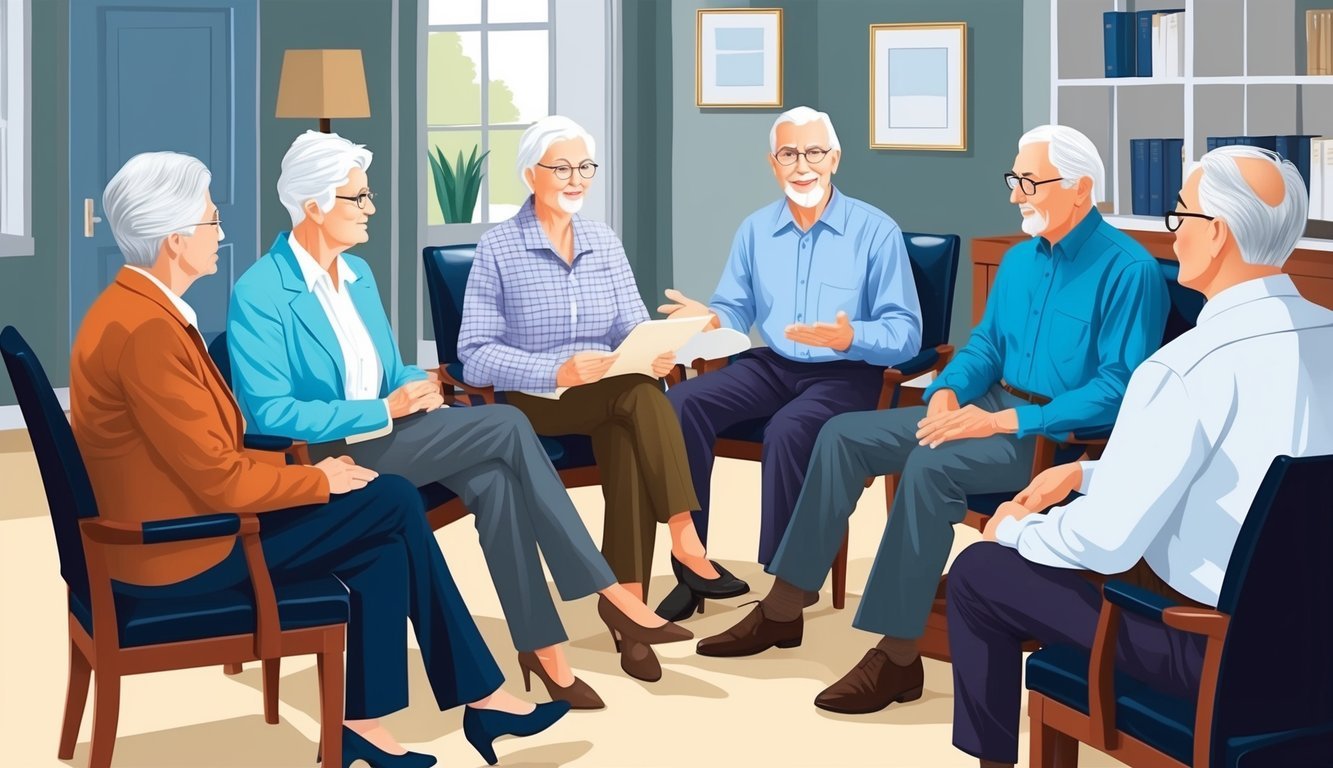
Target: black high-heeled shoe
{"x":483,"y":726}
{"x":725,"y":585}
{"x":679,"y":604}
{"x":355,"y":747}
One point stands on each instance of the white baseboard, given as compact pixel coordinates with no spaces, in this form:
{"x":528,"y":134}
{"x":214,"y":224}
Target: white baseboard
{"x":12,"y":418}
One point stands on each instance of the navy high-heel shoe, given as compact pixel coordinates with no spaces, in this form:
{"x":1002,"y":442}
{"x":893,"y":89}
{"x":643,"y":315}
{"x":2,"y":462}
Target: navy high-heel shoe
{"x":355,"y":747}
{"x":483,"y":726}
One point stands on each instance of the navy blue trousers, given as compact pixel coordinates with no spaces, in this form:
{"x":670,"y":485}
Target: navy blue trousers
{"x":997,"y":600}
{"x":377,"y":542}
{"x":797,"y":398}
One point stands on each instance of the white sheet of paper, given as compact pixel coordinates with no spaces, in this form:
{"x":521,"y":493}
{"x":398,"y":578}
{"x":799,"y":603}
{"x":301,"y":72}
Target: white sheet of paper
{"x":713,"y":345}
{"x":642,"y":346}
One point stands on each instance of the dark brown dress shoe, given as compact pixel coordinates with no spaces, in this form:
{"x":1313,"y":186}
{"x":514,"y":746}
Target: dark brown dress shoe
{"x":872,"y":685}
{"x":753,"y":634}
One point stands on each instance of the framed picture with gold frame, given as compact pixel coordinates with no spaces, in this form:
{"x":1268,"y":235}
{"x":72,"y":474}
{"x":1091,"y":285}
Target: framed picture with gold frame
{"x":738,"y":57}
{"x":918,"y":86}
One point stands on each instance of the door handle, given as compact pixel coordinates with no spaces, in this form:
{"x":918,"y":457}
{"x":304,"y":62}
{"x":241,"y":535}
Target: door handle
{"x":89,"y":220}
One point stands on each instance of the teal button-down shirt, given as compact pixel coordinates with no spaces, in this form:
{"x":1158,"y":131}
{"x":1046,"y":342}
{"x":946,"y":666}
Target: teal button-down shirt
{"x":1070,"y":323}
{"x":853,"y":260}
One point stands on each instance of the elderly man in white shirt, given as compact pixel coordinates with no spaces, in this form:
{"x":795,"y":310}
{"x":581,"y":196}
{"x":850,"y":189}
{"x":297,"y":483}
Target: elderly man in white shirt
{"x":1201,"y":421}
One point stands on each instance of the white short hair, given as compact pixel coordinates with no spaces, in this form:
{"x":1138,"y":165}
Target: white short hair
{"x":1073,"y":155}
{"x":314,"y":167}
{"x":1265,"y":234}
{"x":153,"y":196}
{"x":801,"y":116}
{"x":541,"y":135}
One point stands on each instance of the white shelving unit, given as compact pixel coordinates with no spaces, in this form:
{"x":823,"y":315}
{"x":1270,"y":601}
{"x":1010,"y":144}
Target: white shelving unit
{"x":1244,"y":75}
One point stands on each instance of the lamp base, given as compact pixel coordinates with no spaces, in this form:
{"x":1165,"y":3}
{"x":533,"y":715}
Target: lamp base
{"x":324,"y":126}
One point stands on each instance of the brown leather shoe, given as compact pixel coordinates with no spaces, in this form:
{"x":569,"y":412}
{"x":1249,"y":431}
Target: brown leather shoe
{"x":639,"y":661}
{"x":872,"y":685}
{"x":753,"y":634}
{"x":579,"y":694}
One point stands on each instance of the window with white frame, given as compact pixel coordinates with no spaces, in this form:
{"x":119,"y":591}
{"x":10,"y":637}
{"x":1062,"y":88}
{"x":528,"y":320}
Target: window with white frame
{"x":489,"y":76}
{"x":15,"y":237}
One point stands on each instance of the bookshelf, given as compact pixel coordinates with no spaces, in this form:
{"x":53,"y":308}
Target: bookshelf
{"x":1244,"y":75}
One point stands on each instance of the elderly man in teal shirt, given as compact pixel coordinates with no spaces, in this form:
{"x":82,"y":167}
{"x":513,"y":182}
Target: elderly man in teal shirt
{"x":1072,"y":313}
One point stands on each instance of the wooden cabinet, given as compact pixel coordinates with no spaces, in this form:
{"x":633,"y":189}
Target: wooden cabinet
{"x":1312,"y":271}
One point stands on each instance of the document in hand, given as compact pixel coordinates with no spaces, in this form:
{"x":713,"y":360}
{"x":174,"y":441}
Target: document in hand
{"x":643,"y":344}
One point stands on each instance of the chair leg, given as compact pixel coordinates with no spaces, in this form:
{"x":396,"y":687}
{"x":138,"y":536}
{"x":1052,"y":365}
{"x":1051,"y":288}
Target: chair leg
{"x":80,"y":671}
{"x":270,"y":668}
{"x":840,"y":576}
{"x":330,"y":665}
{"x":106,"y":712}
{"x":231,"y":669}
{"x":1050,"y":748}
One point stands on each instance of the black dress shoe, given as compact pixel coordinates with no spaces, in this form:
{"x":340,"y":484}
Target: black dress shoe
{"x":725,"y":585}
{"x":680,"y":604}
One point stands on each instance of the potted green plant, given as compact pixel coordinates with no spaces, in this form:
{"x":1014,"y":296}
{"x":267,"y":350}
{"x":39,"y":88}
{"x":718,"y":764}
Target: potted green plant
{"x":457,"y":185}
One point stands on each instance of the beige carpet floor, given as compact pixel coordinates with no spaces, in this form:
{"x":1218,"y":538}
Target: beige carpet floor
{"x":704,"y":712}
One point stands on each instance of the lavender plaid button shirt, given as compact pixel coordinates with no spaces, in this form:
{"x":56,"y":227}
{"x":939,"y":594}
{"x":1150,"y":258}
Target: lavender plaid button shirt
{"x":526,"y":311}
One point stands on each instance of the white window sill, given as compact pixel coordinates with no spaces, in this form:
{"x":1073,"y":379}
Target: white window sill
{"x":16,"y":245}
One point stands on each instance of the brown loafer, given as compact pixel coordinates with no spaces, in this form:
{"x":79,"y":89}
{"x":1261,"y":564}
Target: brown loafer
{"x":873,"y":684}
{"x":753,"y":634}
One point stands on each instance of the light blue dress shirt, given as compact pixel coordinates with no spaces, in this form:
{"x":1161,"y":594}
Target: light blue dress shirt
{"x":852,"y":259}
{"x":1069,"y":323}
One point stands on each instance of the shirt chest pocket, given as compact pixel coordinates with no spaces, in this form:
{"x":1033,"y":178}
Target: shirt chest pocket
{"x":833,"y":299}
{"x":1068,"y":336}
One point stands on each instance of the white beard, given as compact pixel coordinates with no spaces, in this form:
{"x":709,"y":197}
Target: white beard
{"x":571,"y":206}
{"x":1035,"y":224}
{"x":805,"y":199}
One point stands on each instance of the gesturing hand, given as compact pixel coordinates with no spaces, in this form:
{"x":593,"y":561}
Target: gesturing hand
{"x":684,"y":306}
{"x":836,"y":335}
{"x":423,"y":395}
{"x":584,"y":368}
{"x":344,"y":475}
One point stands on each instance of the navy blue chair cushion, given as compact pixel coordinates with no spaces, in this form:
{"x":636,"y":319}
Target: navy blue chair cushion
{"x":934,"y":270}
{"x":447,"y":268}
{"x":1163,"y":722}
{"x":173,"y":617}
{"x":921,"y":362}
{"x":575,"y":451}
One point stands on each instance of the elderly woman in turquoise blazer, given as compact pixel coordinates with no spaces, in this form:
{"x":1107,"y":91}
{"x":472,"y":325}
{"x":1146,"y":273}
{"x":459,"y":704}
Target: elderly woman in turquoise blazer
{"x":313,"y":357}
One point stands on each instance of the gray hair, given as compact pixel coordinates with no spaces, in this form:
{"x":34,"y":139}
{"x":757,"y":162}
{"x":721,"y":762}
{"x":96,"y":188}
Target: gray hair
{"x":1073,"y":155}
{"x":541,"y":135}
{"x":314,"y":167}
{"x":1265,"y":234}
{"x":801,"y":116}
{"x":153,"y":196}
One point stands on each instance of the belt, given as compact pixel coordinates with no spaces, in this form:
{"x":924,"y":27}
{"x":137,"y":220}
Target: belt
{"x":1021,"y":395}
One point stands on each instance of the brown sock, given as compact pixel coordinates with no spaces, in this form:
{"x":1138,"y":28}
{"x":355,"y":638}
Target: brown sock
{"x":993,"y":764}
{"x":784,"y":602}
{"x":900,"y":652}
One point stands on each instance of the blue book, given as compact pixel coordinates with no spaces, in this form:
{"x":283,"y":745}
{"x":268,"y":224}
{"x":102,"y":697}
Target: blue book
{"x":1156,"y":177}
{"x":1138,"y":176}
{"x":1143,"y":45}
{"x":1173,"y":165}
{"x":1297,"y":150}
{"x":1265,"y":142}
{"x":1118,"y":40}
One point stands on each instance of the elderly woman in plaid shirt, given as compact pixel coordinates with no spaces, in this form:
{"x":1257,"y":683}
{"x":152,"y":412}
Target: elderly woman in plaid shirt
{"x":549,"y":297}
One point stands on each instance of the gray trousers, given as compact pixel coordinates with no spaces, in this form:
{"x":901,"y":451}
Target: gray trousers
{"x":492,"y":459}
{"x":933,"y":485}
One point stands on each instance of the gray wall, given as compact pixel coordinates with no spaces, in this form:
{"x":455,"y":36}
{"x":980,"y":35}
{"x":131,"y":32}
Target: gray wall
{"x":719,"y":171}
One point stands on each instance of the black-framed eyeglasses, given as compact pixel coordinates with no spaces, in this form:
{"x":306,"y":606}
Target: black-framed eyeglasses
{"x":813,"y":155}
{"x":360,"y":199}
{"x":1174,"y":219}
{"x":565,"y":171}
{"x":1028,"y":186}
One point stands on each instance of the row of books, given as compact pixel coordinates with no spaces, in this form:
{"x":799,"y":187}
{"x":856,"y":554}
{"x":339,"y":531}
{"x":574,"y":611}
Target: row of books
{"x":1144,"y":43}
{"x":1157,"y":169}
{"x":1319,"y":42}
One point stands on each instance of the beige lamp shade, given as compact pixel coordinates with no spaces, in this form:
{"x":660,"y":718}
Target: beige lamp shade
{"x":323,"y":84}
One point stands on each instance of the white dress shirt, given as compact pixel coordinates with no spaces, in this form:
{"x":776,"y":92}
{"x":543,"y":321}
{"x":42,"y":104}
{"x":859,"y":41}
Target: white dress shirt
{"x":1201,"y":421}
{"x":362,"y":368}
{"x":176,"y":301}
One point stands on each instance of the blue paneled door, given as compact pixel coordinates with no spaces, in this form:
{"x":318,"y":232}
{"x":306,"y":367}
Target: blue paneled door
{"x":149,"y":75}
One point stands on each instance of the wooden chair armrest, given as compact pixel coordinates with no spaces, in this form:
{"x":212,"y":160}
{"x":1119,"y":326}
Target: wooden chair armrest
{"x":702,"y":366}
{"x":486,"y":394}
{"x":1199,"y":621}
{"x":1101,"y":680}
{"x":676,"y":376}
{"x":268,"y":642}
{"x":1213,"y":625}
{"x":894,"y":378}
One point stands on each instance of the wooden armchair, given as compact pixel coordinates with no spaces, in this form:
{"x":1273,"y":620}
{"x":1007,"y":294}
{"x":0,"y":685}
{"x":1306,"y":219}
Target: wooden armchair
{"x":1264,"y":695}
{"x":117,"y":630}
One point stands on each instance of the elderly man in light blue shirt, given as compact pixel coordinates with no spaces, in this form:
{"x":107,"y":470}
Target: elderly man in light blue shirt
{"x":825,"y":279}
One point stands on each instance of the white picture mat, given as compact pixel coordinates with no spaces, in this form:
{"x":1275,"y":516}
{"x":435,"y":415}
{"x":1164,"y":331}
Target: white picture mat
{"x":882,"y":42}
{"x":710,"y":93}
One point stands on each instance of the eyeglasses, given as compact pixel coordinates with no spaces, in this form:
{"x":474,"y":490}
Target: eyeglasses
{"x":360,"y":199}
{"x":216,"y":222}
{"x":813,"y":155}
{"x":1029,"y":186}
{"x":564,"y":171}
{"x":1174,"y":219}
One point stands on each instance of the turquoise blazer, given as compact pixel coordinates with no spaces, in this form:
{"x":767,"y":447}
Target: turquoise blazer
{"x":286,"y":365}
